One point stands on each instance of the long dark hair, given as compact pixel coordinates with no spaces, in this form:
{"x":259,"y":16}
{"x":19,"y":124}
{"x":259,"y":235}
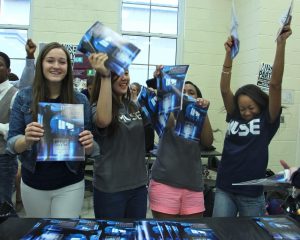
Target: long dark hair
{"x":40,"y":90}
{"x":253,"y":92}
{"x":116,"y":103}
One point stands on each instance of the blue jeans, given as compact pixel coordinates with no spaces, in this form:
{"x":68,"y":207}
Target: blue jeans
{"x":230,"y":204}
{"x":8,"y":170}
{"x":125,"y":204}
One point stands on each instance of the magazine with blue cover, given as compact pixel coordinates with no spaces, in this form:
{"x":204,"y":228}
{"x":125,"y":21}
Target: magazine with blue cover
{"x":65,"y":229}
{"x":279,"y":227}
{"x":190,"y":119}
{"x":100,"y":38}
{"x":280,"y":178}
{"x":118,"y":230}
{"x":152,"y":229}
{"x":92,"y":229}
{"x":148,"y":103}
{"x":81,"y":229}
{"x":234,"y":32}
{"x":62,"y":124}
{"x":170,"y":87}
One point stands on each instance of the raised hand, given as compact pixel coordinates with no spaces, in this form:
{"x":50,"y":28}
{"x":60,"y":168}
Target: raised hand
{"x":286,"y":32}
{"x":30,"y":48}
{"x":157,"y":71}
{"x":97,"y":61}
{"x":228,"y":44}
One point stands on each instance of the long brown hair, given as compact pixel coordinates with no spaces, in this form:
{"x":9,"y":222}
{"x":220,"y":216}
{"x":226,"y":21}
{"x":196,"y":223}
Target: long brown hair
{"x":116,"y":103}
{"x":40,"y":90}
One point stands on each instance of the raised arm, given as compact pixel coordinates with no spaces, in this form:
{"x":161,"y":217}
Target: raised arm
{"x":29,"y":69}
{"x":277,"y":73}
{"x":104,"y":103}
{"x":226,"y":92}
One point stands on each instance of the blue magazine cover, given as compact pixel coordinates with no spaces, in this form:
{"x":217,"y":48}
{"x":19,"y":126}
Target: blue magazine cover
{"x":65,"y":229}
{"x":118,"y":230}
{"x":62,"y":124}
{"x":147,"y":101}
{"x":279,"y":227}
{"x":100,"y":38}
{"x":169,"y":88}
{"x":152,"y":230}
{"x":234,"y":32}
{"x":190,"y":119}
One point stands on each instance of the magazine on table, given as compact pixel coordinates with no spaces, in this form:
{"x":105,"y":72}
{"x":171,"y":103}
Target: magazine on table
{"x":152,"y":229}
{"x":234,"y":32}
{"x":170,"y":87}
{"x":108,"y":229}
{"x":62,"y":124}
{"x":65,"y":229}
{"x":118,"y":230}
{"x":280,"y":178}
{"x":285,"y":19}
{"x":264,"y":76}
{"x":100,"y":38}
{"x":190,"y":119}
{"x":279,"y":227}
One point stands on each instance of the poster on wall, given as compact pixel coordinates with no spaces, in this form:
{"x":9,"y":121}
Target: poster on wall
{"x":264,"y":77}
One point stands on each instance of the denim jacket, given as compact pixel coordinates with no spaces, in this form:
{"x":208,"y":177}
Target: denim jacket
{"x":21,"y":115}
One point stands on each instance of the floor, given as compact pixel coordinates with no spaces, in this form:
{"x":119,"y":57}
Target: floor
{"x":87,"y":209}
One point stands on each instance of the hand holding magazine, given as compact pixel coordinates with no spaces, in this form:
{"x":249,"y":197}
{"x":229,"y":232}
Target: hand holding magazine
{"x":190,"y":119}
{"x":285,"y":19}
{"x":100,"y":38}
{"x":280,"y":178}
{"x":62,"y":124}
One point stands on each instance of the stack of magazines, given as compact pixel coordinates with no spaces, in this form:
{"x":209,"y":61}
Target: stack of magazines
{"x":107,"y":229}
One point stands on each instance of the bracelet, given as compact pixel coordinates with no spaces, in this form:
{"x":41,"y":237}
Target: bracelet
{"x":105,"y":76}
{"x":227,"y":66}
{"x":227,"y":73}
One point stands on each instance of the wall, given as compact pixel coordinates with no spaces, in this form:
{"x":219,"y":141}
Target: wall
{"x":66,"y":20}
{"x":206,"y":27}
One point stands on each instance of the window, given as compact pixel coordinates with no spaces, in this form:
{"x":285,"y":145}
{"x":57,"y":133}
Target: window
{"x":151,"y":25}
{"x":14,"y":24}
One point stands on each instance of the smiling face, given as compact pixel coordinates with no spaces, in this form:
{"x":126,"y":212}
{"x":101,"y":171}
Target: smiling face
{"x":190,"y":90}
{"x":247,"y":107}
{"x":120,"y":86}
{"x":55,"y":65}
